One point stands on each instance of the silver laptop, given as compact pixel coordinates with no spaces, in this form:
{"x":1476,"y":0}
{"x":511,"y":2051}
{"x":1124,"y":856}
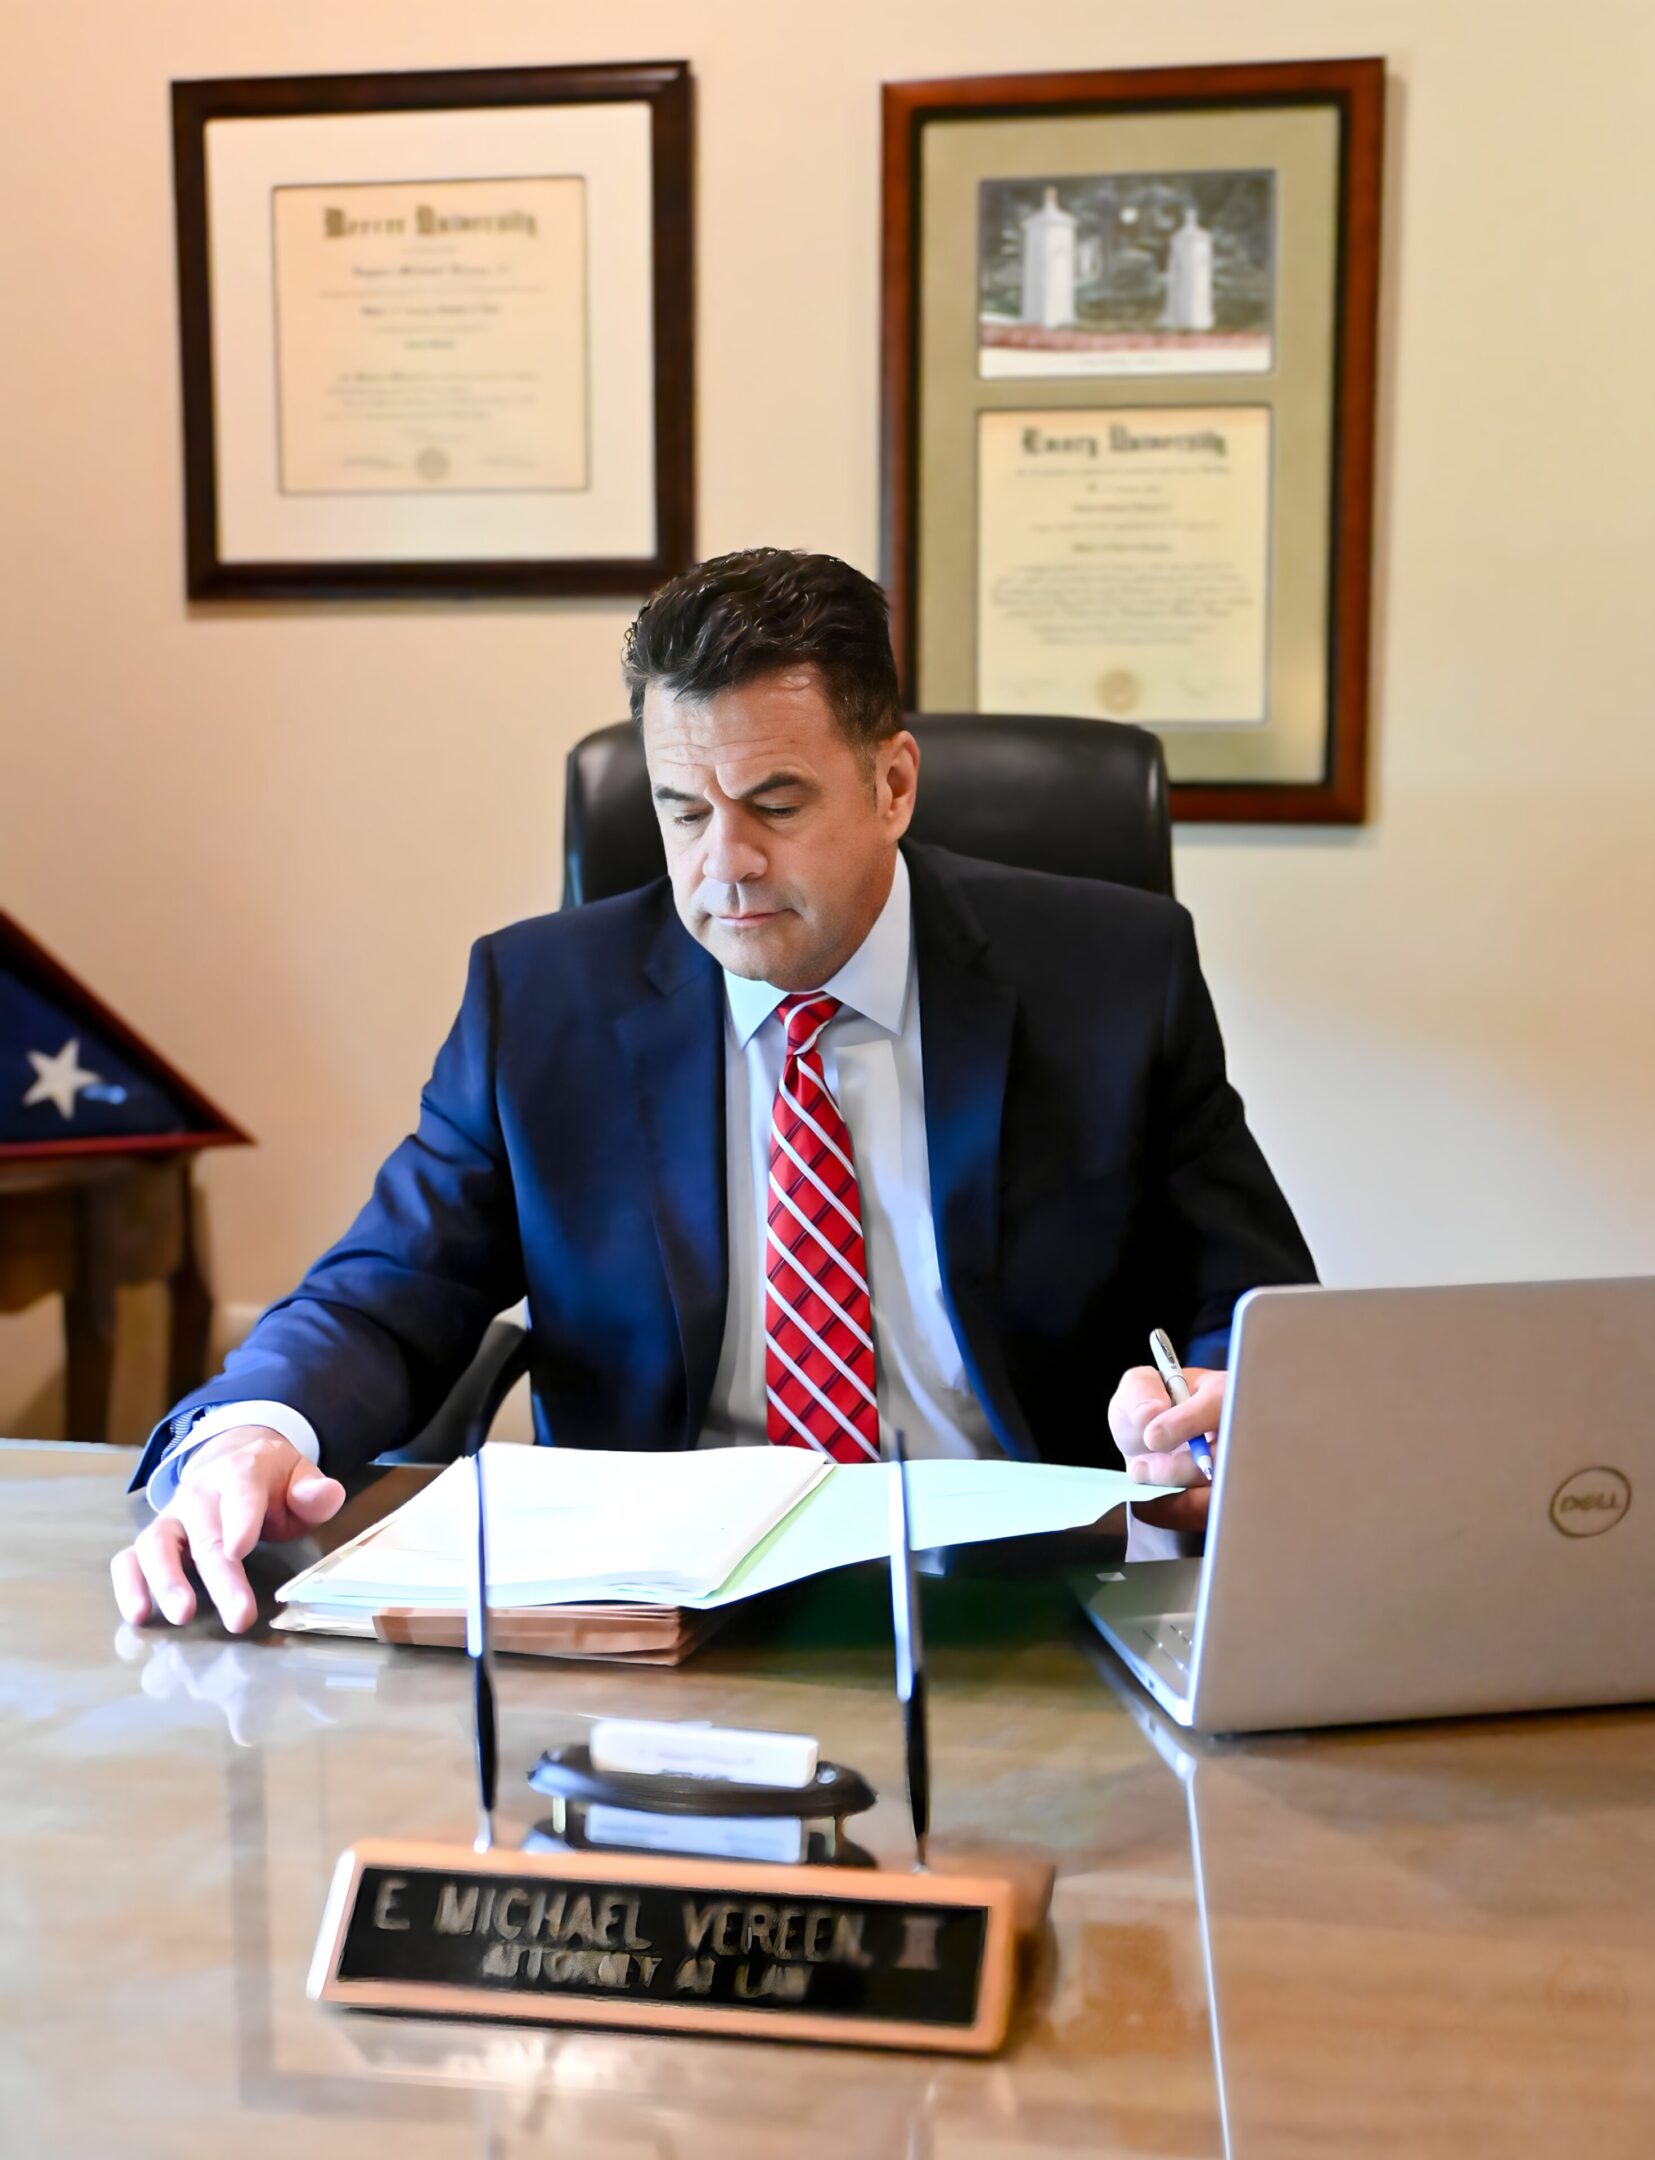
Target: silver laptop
{"x":1427,"y":1503}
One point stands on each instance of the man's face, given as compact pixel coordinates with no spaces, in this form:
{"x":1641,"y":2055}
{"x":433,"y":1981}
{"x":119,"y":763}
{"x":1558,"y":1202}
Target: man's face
{"x":780,"y":837}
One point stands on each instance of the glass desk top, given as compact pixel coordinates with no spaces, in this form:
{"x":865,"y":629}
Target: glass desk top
{"x":1420,"y":1940}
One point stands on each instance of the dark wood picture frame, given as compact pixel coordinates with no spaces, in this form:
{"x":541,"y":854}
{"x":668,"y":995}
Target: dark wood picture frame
{"x":666,"y":87}
{"x":1356,"y":88}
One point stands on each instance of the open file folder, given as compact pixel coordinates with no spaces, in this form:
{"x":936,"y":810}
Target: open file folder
{"x":694,"y":1531}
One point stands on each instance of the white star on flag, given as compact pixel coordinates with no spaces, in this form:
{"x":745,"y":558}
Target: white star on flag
{"x":59,"y":1079}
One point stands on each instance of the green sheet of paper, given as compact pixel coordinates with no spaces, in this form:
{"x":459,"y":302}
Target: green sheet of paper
{"x":847,"y":1517}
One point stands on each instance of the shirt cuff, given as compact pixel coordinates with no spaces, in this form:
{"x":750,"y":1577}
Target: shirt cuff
{"x":224,"y":1417}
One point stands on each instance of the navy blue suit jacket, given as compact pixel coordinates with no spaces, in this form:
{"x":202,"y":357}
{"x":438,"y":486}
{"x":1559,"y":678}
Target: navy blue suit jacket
{"x":1092,"y":1176}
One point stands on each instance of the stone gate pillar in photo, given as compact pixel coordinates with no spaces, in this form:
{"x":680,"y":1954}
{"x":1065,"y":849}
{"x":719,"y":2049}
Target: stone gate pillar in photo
{"x":1049,"y":265}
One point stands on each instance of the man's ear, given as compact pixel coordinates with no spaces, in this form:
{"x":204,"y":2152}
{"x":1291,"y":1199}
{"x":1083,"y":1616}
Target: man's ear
{"x":898,"y":773}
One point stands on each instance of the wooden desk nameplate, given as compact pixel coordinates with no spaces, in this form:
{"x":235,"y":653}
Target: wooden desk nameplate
{"x":861,"y":1957}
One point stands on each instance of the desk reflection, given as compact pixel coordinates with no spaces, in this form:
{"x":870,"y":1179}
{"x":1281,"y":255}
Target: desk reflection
{"x":1430,"y":1939}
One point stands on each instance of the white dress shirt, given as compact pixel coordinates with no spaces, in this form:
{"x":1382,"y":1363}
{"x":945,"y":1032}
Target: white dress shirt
{"x":871,"y":1056}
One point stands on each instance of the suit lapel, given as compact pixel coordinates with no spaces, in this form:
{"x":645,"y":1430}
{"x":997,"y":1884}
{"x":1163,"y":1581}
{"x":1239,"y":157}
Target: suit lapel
{"x":674,"y":1043}
{"x":966,"y":1021}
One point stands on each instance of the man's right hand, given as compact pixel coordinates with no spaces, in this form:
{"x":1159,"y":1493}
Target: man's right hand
{"x":1154,"y":1435}
{"x":236,"y":1488}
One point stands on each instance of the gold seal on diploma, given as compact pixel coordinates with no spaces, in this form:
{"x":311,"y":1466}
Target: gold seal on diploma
{"x":1120,"y":692}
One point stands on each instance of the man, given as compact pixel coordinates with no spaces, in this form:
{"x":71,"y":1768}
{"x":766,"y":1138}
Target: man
{"x":825,"y":1136}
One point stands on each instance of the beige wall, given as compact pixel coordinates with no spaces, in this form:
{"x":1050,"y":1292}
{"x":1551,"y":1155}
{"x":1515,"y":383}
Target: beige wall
{"x":268,"y":834}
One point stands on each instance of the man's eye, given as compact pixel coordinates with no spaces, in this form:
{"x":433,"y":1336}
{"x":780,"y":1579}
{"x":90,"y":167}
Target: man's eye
{"x":689,"y":817}
{"x":778,"y":810}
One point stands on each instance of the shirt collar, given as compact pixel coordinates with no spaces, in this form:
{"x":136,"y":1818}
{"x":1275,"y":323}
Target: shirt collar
{"x":872,"y":982}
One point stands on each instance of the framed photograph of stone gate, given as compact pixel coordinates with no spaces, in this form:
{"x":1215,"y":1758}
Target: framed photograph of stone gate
{"x":1129,"y":341}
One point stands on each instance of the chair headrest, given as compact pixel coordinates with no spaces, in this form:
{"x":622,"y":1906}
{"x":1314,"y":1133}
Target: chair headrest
{"x":1084,"y":798}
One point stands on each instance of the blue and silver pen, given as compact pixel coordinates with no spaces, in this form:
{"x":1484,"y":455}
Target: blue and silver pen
{"x":1172,"y":1377}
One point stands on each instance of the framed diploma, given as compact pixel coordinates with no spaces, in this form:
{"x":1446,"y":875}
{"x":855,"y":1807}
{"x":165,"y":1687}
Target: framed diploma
{"x":1129,"y":348}
{"x":436,"y":332}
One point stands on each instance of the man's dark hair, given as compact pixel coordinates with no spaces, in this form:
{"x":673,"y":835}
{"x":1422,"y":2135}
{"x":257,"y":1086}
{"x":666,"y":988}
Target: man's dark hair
{"x":738,"y":617}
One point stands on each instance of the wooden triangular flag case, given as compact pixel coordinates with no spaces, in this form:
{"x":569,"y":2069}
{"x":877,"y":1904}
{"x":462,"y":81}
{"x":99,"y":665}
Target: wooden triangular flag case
{"x":75,"y":1079}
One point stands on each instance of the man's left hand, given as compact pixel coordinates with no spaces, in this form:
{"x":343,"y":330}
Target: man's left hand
{"x":1154,"y":1435}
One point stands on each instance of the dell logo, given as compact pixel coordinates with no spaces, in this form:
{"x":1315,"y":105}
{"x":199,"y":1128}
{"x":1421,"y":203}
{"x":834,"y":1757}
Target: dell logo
{"x":1590,"y":1502}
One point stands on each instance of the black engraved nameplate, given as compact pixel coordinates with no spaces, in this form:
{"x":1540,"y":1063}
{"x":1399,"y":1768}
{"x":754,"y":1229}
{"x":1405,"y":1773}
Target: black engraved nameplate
{"x":678,"y":1945}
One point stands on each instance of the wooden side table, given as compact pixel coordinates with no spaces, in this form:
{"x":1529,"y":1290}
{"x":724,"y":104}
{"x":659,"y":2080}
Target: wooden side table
{"x":83,"y":1227}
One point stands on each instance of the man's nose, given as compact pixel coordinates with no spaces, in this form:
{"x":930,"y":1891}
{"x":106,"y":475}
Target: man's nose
{"x":731,"y":856}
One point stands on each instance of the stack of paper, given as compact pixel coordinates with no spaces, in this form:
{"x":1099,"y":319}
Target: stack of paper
{"x":571,"y":1526}
{"x":624,"y":1535}
{"x":629,"y":1634}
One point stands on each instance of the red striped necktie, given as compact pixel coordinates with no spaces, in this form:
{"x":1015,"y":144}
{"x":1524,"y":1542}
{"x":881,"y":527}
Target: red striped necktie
{"x":818,"y":1324}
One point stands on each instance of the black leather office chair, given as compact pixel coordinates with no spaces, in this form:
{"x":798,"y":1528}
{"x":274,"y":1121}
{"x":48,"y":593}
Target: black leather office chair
{"x":1087,"y":798}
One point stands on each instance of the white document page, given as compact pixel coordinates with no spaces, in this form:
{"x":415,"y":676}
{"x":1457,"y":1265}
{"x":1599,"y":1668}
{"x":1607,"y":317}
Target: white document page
{"x":568,"y":1525}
